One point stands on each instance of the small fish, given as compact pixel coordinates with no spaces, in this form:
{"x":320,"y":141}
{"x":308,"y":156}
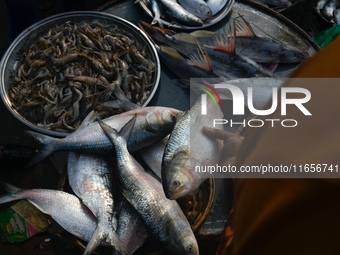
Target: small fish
{"x":328,"y":9}
{"x":336,"y":16}
{"x":153,"y":123}
{"x":157,"y":10}
{"x":163,"y":217}
{"x":216,"y":5}
{"x":178,"y":13}
{"x":188,"y":148}
{"x":197,"y":7}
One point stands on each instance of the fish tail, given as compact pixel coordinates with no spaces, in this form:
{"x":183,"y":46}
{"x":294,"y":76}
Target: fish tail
{"x":13,"y":193}
{"x":48,"y":147}
{"x":93,"y":243}
{"x":201,"y":59}
{"x":125,"y":132}
{"x":101,"y":236}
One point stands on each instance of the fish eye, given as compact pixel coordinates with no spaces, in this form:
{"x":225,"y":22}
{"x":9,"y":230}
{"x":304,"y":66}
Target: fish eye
{"x":176,"y":183}
{"x":172,"y":117}
{"x":190,"y":249}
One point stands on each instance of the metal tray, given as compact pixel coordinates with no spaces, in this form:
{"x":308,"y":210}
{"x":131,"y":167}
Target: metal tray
{"x":206,"y":23}
{"x":264,"y":21}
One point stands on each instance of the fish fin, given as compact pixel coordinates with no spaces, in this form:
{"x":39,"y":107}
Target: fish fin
{"x":202,"y":33}
{"x":48,"y":147}
{"x":93,"y":243}
{"x":201,"y":59}
{"x":91,"y":117}
{"x":127,"y":129}
{"x":225,"y":42}
{"x":125,"y":132}
{"x":243,"y":29}
{"x":12,"y":190}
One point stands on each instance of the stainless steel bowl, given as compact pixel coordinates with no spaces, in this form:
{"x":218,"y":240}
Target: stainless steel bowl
{"x":11,"y":60}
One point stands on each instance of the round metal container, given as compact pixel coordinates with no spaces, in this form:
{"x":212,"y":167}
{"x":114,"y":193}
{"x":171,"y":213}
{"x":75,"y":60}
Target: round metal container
{"x":11,"y":59}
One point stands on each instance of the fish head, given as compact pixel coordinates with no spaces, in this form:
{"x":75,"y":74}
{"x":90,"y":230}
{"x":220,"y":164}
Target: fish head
{"x":185,"y":243}
{"x":290,"y":54}
{"x":203,"y":11}
{"x":160,"y":119}
{"x":177,"y":178}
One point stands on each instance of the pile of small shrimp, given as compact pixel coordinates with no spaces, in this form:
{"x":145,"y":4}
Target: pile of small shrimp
{"x":73,"y":68}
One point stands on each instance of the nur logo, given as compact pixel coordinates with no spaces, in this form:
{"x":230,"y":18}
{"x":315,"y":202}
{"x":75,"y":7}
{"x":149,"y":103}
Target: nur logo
{"x":212,"y":93}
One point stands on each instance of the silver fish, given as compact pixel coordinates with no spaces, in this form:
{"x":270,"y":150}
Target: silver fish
{"x":262,"y":89}
{"x":188,"y":148}
{"x":90,"y":179}
{"x":153,"y":123}
{"x":197,"y":7}
{"x":157,"y":10}
{"x":336,"y":16}
{"x":163,"y":217}
{"x":178,"y":13}
{"x":328,"y":9}
{"x":216,"y":5}
{"x":66,"y":209}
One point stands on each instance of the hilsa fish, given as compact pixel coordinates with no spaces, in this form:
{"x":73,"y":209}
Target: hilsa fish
{"x":73,"y":216}
{"x":163,"y":217}
{"x":90,"y":177}
{"x":66,"y":209}
{"x":153,"y":123}
{"x":188,"y":149}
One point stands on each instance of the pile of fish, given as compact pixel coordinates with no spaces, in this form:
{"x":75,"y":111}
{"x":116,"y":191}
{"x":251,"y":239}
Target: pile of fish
{"x":115,"y":201}
{"x":237,"y":53}
{"x":329,"y":10}
{"x":73,"y":68}
{"x":183,"y":12}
